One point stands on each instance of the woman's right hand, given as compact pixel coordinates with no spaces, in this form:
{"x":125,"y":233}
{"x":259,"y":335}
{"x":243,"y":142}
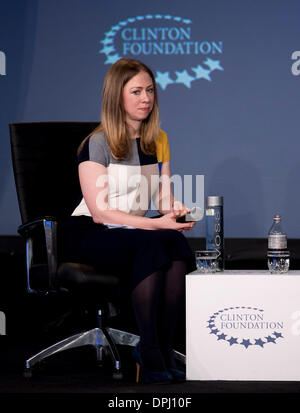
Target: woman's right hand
{"x":168,"y":221}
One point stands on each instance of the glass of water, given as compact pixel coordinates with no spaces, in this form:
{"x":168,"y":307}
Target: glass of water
{"x":207,"y":261}
{"x":278,"y":262}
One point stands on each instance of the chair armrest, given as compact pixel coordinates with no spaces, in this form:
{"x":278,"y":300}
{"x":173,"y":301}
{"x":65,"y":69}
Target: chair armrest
{"x":49,"y":227}
{"x":26,"y":229}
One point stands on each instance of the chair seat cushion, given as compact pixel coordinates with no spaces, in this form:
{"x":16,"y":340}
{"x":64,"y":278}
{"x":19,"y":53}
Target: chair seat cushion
{"x":77,"y":277}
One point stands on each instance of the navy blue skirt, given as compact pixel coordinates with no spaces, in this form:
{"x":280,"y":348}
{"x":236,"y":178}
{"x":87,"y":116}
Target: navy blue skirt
{"x":130,"y":254}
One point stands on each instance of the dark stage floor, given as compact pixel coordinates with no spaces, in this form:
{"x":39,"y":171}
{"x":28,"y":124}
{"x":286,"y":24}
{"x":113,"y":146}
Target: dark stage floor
{"x":75,"y":371}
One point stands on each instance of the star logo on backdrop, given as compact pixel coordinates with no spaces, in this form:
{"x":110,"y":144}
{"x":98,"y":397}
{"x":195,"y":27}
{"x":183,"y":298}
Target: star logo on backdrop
{"x":163,"y":79}
{"x":187,"y":78}
{"x":184,"y":78}
{"x":201,"y":73}
{"x":213,"y":64}
{"x":244,"y":342}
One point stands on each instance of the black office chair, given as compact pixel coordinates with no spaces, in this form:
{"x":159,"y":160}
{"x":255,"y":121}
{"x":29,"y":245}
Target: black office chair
{"x":45,"y":169}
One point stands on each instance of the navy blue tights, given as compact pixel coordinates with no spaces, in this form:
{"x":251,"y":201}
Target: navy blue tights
{"x":157,"y":302}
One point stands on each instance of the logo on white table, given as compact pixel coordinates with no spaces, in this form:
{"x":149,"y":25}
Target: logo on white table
{"x":245,"y":326}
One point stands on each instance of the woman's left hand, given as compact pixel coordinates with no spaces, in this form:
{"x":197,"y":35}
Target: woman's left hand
{"x":179,"y":209}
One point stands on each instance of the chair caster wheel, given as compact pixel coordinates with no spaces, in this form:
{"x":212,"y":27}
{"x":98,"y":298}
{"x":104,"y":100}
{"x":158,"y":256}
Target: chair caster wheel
{"x":117,"y":375}
{"x":27,"y":373}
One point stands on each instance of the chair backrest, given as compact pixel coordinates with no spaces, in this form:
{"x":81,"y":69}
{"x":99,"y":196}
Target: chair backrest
{"x":44,"y":156}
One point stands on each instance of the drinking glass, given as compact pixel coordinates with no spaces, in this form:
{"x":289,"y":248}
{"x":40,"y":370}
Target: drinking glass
{"x":206,"y":261}
{"x":278,"y":261}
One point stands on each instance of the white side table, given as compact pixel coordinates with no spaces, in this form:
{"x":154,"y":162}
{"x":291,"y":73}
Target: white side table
{"x":243,"y":325}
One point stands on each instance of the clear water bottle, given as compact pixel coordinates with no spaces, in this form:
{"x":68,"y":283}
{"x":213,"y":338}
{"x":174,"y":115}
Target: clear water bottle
{"x":278,"y":255}
{"x":215,"y":228}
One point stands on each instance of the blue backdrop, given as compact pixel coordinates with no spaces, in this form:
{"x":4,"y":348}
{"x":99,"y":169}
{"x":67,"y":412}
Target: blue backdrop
{"x":228,"y":82}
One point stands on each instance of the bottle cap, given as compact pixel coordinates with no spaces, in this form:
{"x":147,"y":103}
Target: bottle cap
{"x":212,"y":201}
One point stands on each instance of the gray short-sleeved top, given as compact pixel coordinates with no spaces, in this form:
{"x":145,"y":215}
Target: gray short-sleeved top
{"x":133,"y":182}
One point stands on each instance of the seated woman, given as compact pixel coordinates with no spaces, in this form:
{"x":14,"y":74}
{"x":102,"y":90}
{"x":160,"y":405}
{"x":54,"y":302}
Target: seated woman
{"x":120,"y":165}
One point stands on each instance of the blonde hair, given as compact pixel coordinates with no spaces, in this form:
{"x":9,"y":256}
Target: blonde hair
{"x":113,"y":113}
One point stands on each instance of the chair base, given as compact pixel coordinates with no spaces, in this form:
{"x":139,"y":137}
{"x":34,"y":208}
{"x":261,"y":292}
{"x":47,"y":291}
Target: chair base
{"x":104,"y":340}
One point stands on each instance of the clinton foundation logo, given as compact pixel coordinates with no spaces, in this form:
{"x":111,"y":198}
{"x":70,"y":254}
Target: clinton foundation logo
{"x":178,"y":54}
{"x":245,"y":326}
